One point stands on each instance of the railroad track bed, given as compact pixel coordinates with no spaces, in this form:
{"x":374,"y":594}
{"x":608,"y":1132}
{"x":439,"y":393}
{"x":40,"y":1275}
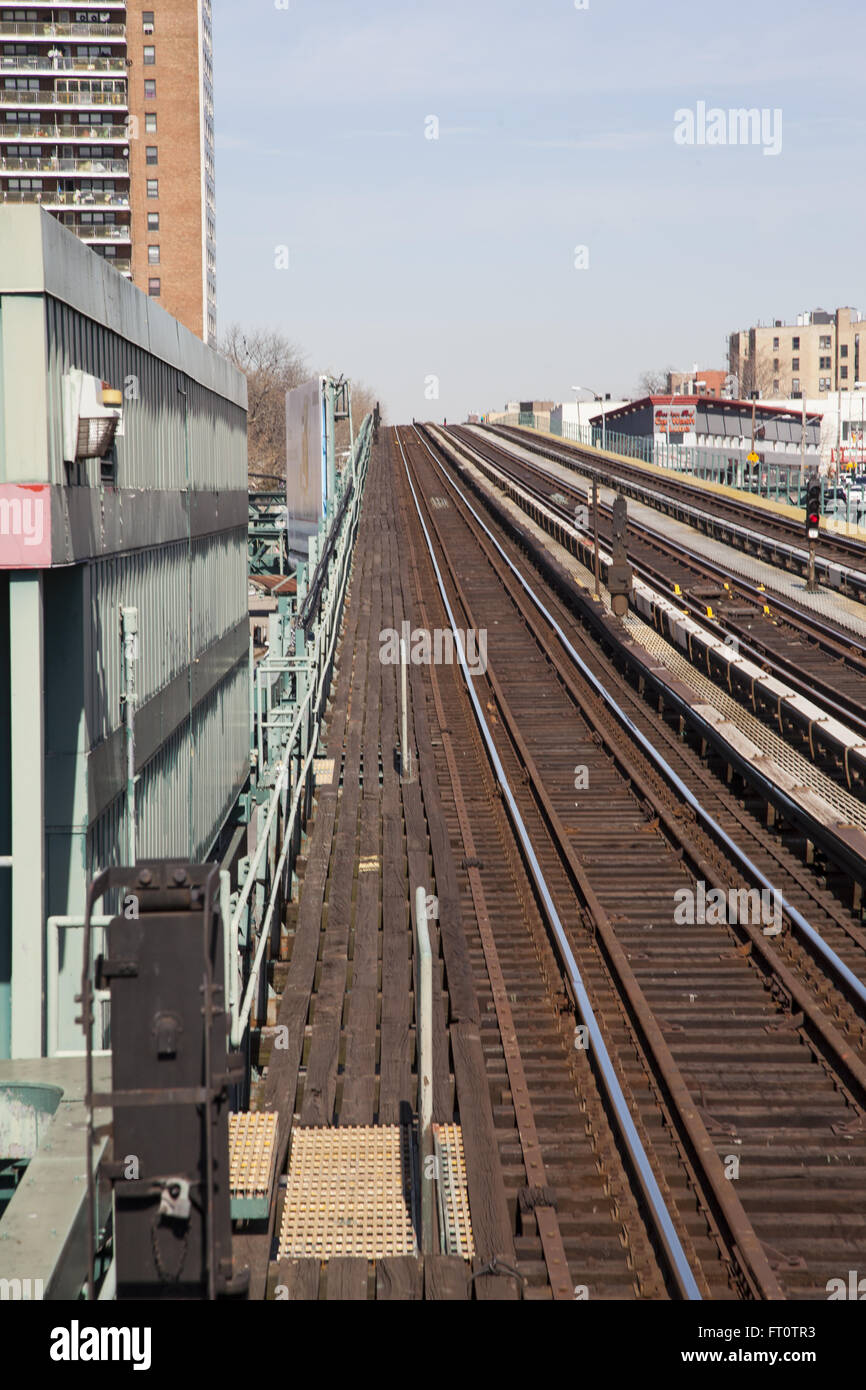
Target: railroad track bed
{"x":753,"y":1036}
{"x":756,"y":530}
{"x":826,"y":726}
{"x":786,"y":639}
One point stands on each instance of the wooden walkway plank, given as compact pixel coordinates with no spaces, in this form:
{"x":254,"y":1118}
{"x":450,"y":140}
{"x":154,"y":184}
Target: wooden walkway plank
{"x":491,"y":1223}
{"x":358,"y":1105}
{"x":320,"y":1081}
{"x":297,"y":1281}
{"x":399,"y":1278}
{"x":446,"y":1278}
{"x":346,"y":1279}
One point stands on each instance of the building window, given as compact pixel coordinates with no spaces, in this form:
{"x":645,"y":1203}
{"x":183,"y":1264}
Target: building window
{"x":151,"y":154}
{"x":843,"y":351}
{"x":775,"y":344}
{"x":795,"y":344}
{"x":154,"y":288}
{"x":795,"y":386}
{"x":843,"y":372}
{"x":153,"y":221}
{"x":150,"y":122}
{"x":795,"y":364}
{"x":153,"y":255}
{"x":150,"y":89}
{"x":775,"y":364}
{"x":824,"y":363}
{"x":775,"y":388}
{"x":153,"y":188}
{"x":147,"y":21}
{"x":149,"y":56}
{"x":823,"y":383}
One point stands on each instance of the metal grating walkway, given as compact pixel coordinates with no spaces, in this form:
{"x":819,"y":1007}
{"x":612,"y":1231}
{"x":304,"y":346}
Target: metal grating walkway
{"x":455,"y":1223}
{"x":349,"y":1193}
{"x":252,"y":1158}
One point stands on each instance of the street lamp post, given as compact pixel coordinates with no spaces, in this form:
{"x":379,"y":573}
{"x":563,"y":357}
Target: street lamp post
{"x":600,"y":399}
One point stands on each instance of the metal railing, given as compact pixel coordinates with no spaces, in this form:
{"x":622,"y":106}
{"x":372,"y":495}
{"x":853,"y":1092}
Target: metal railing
{"x":20,"y":130}
{"x":770,"y":477}
{"x":11,"y":96}
{"x":49,"y":63}
{"x":288,"y":695}
{"x":51,"y":198}
{"x":56,"y":164}
{"x":23,"y":30}
{"x":87,"y":232}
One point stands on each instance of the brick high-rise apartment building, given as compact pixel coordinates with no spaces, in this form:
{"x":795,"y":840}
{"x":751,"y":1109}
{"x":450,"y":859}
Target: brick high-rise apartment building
{"x":106,"y":119}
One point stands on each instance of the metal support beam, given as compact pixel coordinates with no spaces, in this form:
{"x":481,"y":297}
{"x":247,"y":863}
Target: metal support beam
{"x":28,"y":818}
{"x":424,"y":1026}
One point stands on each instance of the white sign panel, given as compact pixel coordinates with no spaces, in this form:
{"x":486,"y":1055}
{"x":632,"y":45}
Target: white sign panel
{"x":306,"y":462}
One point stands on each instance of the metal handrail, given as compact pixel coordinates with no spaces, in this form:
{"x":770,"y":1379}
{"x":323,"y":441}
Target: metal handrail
{"x":328,"y":633}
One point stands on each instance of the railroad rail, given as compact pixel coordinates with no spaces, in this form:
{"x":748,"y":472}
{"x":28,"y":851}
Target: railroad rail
{"x":841,"y":562}
{"x":795,"y":671}
{"x":733,"y":1044}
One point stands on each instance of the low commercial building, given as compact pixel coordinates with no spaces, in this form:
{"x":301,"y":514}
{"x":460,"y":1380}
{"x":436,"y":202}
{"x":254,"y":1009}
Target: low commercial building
{"x":716,"y":437}
{"x":572,"y":418}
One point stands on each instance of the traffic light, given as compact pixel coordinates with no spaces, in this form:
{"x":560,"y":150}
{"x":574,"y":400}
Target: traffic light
{"x":813,"y":509}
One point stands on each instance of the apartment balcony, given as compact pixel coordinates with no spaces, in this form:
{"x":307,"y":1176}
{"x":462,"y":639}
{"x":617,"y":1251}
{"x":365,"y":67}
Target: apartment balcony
{"x":44,"y":64}
{"x":110,"y":33}
{"x":50,"y":5}
{"x":57,"y":198}
{"x":120,"y":263}
{"x":25,"y":131}
{"x":46,"y":97}
{"x":86,"y":231}
{"x":56,"y":164}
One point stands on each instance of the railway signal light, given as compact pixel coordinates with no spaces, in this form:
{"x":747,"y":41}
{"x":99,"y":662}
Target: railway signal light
{"x":813,"y":509}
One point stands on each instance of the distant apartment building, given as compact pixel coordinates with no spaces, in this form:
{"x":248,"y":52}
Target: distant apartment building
{"x":815,"y":356}
{"x":106,"y":120}
{"x":708,"y":382}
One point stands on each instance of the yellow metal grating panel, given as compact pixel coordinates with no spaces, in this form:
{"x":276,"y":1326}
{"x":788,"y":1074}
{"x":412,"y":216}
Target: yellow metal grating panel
{"x":349,"y":1192}
{"x":455,"y":1221}
{"x":323,"y":771}
{"x":251,"y":1153}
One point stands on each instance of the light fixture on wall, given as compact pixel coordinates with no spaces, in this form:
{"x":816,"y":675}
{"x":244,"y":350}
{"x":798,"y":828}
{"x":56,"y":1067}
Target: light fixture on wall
{"x":92,"y":416}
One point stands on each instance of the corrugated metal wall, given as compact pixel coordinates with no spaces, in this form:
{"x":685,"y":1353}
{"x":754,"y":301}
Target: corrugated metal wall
{"x":187,"y":598}
{"x":180,"y":437}
{"x":153,"y":451}
{"x":186,"y":791}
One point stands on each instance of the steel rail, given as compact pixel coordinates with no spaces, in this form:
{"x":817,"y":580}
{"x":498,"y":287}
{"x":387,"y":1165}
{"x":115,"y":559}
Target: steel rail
{"x":826,"y":952}
{"x":798,"y":619}
{"x":629,"y":474}
{"x":683,"y":1275}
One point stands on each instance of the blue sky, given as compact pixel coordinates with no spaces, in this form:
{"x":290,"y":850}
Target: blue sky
{"x":411,"y":258}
